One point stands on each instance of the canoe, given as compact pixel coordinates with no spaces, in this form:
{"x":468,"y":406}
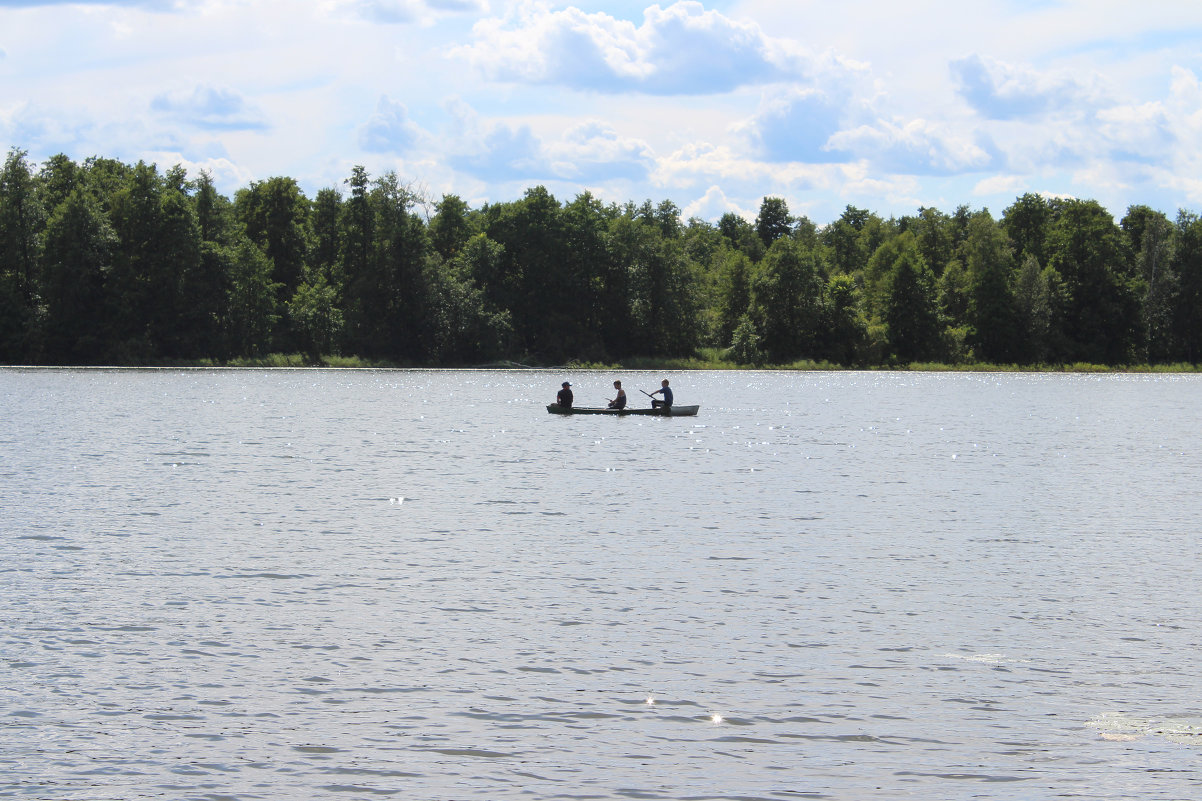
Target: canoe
{"x":673,"y":411}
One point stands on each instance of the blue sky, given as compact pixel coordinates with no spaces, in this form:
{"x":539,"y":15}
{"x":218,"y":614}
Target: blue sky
{"x":713,"y":105}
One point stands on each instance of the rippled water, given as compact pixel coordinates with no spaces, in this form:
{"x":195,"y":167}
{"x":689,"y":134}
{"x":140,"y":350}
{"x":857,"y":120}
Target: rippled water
{"x":353,"y":584}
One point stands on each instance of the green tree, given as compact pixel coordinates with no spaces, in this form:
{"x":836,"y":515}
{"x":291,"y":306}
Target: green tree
{"x":22,"y":221}
{"x":78,"y":248}
{"x":745,"y":343}
{"x":214,"y":212}
{"x":185,"y":299}
{"x":742,"y":236}
{"x":914,"y":329}
{"x":845,"y":332}
{"x":1093,"y":259}
{"x":275,"y":215}
{"x":1035,"y":300}
{"x":465,"y":328}
{"x":1187,"y":267}
{"x":935,"y":236}
{"x":667,"y":218}
{"x":991,"y":312}
{"x":135,"y":281}
{"x":954,"y":291}
{"x":534,"y":284}
{"x":1027,"y":222}
{"x":846,"y":239}
{"x":450,"y":228}
{"x":327,"y":237}
{"x":58,"y":178}
{"x":316,"y":317}
{"x":252,"y":310}
{"x":662,"y":293}
{"x":735,"y":300}
{"x":1152,"y":239}
{"x":787,"y":301}
{"x":773,"y":221}
{"x":398,"y":274}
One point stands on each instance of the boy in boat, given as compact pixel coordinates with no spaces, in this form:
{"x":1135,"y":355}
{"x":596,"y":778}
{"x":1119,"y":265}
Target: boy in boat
{"x":667,"y":393}
{"x":620,"y":401}
{"x":564,"y":396}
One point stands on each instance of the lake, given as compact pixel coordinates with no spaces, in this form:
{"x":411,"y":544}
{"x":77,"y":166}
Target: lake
{"x":312,"y":584}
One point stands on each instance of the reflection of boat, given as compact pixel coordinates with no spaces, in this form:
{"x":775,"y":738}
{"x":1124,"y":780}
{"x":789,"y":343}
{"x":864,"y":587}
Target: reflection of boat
{"x":659,"y":411}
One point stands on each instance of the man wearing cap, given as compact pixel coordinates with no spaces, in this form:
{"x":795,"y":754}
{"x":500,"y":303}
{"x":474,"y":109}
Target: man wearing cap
{"x":564,"y":396}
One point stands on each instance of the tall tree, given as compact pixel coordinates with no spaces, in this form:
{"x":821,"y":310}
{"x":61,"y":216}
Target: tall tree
{"x":276,"y":216}
{"x":253,"y":305}
{"x":911,"y":315}
{"x":1094,"y":260}
{"x":742,"y":235}
{"x":450,"y":227}
{"x":139,"y":270}
{"x":1187,"y":267}
{"x":845,"y":239}
{"x":1152,"y":238}
{"x":327,"y":235}
{"x":78,"y":252}
{"x":735,"y":297}
{"x":533,"y":282}
{"x":214,"y":212}
{"x":22,"y":220}
{"x":185,"y":300}
{"x":991,"y":309}
{"x":1026,"y":222}
{"x":58,"y":178}
{"x":773,"y":221}
{"x":1035,"y":303}
{"x":844,"y":335}
{"x":787,"y":301}
{"x":935,"y":235}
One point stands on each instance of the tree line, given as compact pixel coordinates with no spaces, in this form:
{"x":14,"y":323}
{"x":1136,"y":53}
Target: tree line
{"x":103,"y":262}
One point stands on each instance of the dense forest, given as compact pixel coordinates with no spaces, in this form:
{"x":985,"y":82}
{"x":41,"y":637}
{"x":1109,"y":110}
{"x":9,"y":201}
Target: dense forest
{"x":103,"y":262}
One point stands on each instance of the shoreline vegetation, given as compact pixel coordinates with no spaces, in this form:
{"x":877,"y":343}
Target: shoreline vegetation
{"x":107,"y":263}
{"x":708,"y":359}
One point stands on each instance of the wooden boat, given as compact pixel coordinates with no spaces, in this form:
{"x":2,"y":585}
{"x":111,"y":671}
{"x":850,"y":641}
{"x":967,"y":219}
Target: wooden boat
{"x":659,"y":411}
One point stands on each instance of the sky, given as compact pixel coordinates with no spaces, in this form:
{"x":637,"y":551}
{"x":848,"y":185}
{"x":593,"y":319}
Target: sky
{"x":713,"y":105}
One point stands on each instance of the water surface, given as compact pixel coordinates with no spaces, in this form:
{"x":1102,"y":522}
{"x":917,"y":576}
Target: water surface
{"x":242,"y":584}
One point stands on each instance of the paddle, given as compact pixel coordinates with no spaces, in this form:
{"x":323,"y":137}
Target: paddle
{"x":649,"y":395}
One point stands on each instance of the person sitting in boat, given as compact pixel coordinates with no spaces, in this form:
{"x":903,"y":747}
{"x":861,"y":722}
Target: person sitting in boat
{"x":564,"y":396}
{"x":667,"y":393}
{"x":620,"y":401}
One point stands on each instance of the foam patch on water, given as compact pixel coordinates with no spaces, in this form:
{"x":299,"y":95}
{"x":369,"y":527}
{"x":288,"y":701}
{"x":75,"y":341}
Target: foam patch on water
{"x":988,"y":659}
{"x":1124,"y":728}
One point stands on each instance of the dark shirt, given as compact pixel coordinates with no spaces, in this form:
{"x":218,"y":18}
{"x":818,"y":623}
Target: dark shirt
{"x":618,"y":402}
{"x":667,"y":392}
{"x":564,"y":397}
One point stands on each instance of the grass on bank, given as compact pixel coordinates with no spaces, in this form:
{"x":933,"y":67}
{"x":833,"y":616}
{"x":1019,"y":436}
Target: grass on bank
{"x":705,"y":359}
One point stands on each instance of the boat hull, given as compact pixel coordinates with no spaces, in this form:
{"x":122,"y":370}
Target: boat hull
{"x":660,"y":411}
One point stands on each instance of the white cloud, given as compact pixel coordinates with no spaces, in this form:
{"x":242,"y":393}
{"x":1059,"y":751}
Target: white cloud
{"x":915,"y":147}
{"x":1013,"y":185}
{"x":796,"y":125}
{"x":593,"y":152}
{"x":211,"y":108}
{"x":1001,"y":91}
{"x":713,"y":204}
{"x":681,"y":49}
{"x":403,"y":12}
{"x":389,"y":130}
